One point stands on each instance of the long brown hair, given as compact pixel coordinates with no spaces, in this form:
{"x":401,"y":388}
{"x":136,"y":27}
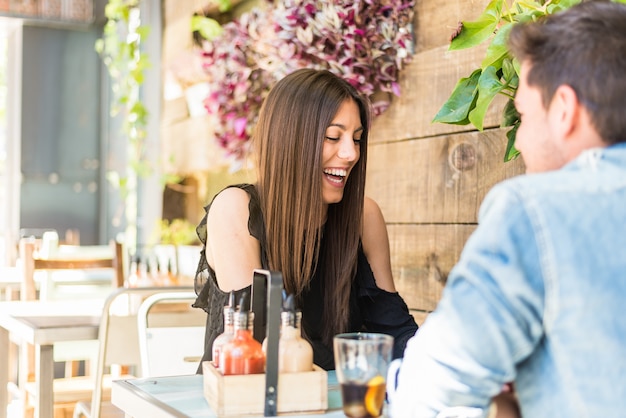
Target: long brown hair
{"x":288,"y":141}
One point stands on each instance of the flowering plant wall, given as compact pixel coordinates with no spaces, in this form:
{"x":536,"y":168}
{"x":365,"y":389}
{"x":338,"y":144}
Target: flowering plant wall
{"x":367,"y":42}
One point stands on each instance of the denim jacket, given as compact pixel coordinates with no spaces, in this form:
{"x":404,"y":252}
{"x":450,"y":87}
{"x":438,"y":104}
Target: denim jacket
{"x":537,"y":298}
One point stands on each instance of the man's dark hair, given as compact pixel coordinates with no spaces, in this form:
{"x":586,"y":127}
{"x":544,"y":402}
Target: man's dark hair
{"x":583,"y":47}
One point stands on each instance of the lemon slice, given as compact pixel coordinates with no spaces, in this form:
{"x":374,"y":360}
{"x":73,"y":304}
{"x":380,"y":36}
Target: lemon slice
{"x":375,"y":396}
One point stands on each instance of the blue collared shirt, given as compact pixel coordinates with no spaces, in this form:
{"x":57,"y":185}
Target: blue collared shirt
{"x":538,"y":297}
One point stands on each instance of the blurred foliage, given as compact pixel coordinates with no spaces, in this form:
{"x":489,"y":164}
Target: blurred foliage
{"x":176,"y":232}
{"x":120,"y":49}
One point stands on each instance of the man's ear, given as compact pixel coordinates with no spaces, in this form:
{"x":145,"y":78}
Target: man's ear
{"x":564,"y":112}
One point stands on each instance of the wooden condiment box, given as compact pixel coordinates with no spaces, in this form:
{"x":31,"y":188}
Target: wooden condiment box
{"x":305,"y":392}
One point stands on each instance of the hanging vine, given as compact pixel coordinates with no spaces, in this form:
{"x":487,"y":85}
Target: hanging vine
{"x":120,"y":50}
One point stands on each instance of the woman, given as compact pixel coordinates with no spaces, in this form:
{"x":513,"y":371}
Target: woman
{"x":307,"y":217}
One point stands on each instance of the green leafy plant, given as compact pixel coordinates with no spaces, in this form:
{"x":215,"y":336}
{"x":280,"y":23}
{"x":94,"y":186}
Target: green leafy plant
{"x":207,"y":27}
{"x":498,"y":72}
{"x":176,"y":232}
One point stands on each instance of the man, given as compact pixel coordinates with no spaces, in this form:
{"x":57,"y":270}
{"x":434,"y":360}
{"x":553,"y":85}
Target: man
{"x":538,"y":297}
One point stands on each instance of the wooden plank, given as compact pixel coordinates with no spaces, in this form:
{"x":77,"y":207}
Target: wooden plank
{"x":437,"y":180}
{"x":428,"y":80}
{"x":180,"y":9}
{"x":178,"y":42}
{"x":425,"y":85}
{"x":188,"y":146}
{"x":421,"y":259}
{"x":436,"y":20}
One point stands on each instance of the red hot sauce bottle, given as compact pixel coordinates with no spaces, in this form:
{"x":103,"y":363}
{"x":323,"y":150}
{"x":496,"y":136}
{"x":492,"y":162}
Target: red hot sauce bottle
{"x":243,"y":354}
{"x":229,"y":330}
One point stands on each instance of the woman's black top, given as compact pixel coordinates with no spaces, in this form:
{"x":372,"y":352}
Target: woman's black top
{"x":371,"y":308}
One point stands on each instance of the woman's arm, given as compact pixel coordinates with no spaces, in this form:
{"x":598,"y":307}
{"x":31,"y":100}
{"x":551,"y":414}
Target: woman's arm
{"x":383,"y":309}
{"x":230,"y":249}
{"x":376,"y":245}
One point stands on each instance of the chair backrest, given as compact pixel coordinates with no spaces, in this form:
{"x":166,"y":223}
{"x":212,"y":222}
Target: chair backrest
{"x":174,"y":320}
{"x":118,"y":336}
{"x":79,"y":258}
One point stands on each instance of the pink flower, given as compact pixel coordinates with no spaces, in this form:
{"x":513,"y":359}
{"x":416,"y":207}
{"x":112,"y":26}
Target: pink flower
{"x":240,"y":126}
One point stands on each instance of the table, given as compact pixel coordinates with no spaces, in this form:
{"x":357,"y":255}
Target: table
{"x":182,"y":396}
{"x":43,"y":324}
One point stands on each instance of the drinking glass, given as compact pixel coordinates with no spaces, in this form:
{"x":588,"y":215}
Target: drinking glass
{"x":361,"y":362}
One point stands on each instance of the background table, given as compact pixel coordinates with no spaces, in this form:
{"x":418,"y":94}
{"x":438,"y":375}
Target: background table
{"x":182,"y":396}
{"x":43,"y":324}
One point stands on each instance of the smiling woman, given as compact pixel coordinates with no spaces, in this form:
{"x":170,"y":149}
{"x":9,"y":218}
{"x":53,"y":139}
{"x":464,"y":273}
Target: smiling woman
{"x":308,"y":218}
{"x":341,"y":150}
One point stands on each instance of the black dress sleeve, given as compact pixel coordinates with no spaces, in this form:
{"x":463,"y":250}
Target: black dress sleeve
{"x":382,"y":311}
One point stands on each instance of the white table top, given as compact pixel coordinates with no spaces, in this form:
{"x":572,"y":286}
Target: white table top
{"x":52,"y":307}
{"x":182,"y":396}
{"x":45,"y":323}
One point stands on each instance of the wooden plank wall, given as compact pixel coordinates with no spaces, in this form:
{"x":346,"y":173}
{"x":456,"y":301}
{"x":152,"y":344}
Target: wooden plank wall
{"x":429,"y":179}
{"x":188,"y":147}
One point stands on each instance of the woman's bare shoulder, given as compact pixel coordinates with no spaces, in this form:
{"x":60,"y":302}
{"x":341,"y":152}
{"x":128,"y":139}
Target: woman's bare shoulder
{"x":230,"y":200}
{"x":231,"y":250}
{"x":371,"y":211}
{"x":229,"y":212}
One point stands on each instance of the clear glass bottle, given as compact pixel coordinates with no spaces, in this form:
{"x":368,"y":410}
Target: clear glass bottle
{"x":148,"y":279}
{"x":133,"y":274}
{"x":142,"y":278}
{"x":295,"y":354}
{"x":171,"y":275}
{"x":243,"y":354}
{"x":229,"y":330}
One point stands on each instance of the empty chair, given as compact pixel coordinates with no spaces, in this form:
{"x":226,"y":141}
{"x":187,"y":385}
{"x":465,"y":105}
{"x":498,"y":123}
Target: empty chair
{"x":72,"y":266}
{"x":172,"y":344}
{"x":119,"y":344}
